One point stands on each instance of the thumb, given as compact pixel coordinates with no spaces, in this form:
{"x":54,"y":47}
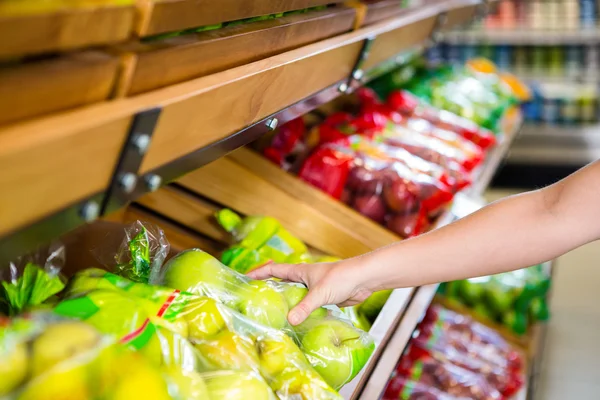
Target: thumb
{"x":309,"y":303}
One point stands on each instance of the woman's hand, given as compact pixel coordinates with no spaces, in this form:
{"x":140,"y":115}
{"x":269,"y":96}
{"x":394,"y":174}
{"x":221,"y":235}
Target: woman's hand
{"x":328,"y":283}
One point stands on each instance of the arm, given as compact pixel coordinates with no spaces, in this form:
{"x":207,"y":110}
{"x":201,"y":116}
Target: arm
{"x":512,"y":233}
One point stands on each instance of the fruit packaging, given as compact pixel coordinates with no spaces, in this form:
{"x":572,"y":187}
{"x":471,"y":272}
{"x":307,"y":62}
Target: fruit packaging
{"x":401,"y":388}
{"x":187,"y":332}
{"x":336,"y":349}
{"x":43,"y":356}
{"x":259,"y":240}
{"x":420,"y":366}
{"x":384,"y":183}
{"x":514,"y":299}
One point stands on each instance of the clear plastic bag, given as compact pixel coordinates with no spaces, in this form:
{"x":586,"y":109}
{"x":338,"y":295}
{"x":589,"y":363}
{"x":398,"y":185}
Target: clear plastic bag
{"x":194,"y":333}
{"x":401,"y":388}
{"x":33,"y":281}
{"x":335,"y":348}
{"x":418,"y":365}
{"x":43,"y":356}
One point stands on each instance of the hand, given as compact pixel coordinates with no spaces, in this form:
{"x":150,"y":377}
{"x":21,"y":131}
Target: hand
{"x":328,"y":283}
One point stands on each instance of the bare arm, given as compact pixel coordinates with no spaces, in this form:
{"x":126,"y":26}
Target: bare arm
{"x":512,"y":233}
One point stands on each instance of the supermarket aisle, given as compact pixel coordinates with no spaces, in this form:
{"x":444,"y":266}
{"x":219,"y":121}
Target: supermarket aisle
{"x":572,"y":356}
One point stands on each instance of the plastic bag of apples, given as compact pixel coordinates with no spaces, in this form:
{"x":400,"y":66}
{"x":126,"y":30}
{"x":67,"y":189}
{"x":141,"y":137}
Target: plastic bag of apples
{"x":332,"y":345}
{"x":383,"y":182}
{"x":46,"y":357}
{"x":194,"y":333}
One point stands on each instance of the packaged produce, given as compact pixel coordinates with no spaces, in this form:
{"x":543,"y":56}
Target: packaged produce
{"x":194,"y":333}
{"x":468,"y":336}
{"x":513,"y":299}
{"x":43,"y":356}
{"x":336,"y":349}
{"x":401,"y":388}
{"x":418,"y":365}
{"x":258,"y":241}
{"x":26,"y":285}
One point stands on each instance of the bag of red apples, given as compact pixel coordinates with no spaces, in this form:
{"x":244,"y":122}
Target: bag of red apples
{"x":452,"y":357}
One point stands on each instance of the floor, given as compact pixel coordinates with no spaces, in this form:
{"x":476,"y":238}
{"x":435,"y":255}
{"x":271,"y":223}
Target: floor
{"x":571,"y":363}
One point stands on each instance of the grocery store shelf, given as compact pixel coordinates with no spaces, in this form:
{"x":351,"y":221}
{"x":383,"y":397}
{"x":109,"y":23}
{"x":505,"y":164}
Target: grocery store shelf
{"x":195,"y":126}
{"x":524,"y":37}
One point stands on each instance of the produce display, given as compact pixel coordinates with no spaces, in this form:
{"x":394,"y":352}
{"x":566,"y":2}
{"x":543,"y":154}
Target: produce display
{"x":259,"y":240}
{"x":515,"y":299}
{"x":451,"y":356}
{"x":43,"y":356}
{"x":336,"y":349}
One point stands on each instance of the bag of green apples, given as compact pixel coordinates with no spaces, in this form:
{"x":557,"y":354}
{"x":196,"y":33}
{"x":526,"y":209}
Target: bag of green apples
{"x":195,"y":333}
{"x":43,"y":356}
{"x":335,"y":348}
{"x":258,"y":241}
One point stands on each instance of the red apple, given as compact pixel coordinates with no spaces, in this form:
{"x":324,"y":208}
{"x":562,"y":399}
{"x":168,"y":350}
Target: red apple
{"x":364,"y":180}
{"x":371,"y":206}
{"x":403,"y":224}
{"x":346,"y":196}
{"x":401,"y":195}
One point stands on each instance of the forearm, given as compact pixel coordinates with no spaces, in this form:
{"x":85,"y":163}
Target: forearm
{"x":513,"y":233}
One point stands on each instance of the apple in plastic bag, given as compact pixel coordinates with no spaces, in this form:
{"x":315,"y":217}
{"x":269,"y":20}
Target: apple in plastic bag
{"x":295,"y":293}
{"x":228,"y":350}
{"x":227,"y":385}
{"x":203,"y":317}
{"x":371,"y":206}
{"x":194,"y":271}
{"x":403,"y":224}
{"x":276,"y":353}
{"x":336,"y":350}
{"x":401,"y":195}
{"x":262,"y":303}
{"x":364,"y":181}
{"x":13,"y":368}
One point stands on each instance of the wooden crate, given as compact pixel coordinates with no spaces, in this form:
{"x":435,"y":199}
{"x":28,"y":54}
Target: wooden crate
{"x":32,"y":89}
{"x":157,"y":64}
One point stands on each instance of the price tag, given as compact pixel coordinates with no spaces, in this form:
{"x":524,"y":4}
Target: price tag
{"x":464,"y":205}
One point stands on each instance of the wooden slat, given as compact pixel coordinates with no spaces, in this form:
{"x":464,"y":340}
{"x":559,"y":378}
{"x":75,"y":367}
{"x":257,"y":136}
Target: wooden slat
{"x":383,"y":9}
{"x":186,"y":210}
{"x":173,"y":15}
{"x":42,"y":172}
{"x":178,"y":59}
{"x":60,"y":30}
{"x":36,"y":88}
{"x":232,"y":185}
{"x":214,"y":114}
{"x":392,"y":43}
{"x":365,"y":230}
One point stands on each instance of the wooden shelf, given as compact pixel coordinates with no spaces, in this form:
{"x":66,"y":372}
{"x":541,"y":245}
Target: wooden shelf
{"x":196,"y":125}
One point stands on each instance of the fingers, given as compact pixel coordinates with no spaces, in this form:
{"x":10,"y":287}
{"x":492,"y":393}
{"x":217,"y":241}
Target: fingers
{"x":309,"y":303}
{"x":286,"y":272}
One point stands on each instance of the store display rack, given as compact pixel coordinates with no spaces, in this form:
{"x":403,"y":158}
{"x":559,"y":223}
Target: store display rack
{"x":533,"y":37}
{"x":66,"y":169}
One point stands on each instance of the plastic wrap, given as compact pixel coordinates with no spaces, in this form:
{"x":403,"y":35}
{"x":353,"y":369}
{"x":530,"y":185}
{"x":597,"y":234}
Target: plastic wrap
{"x":258,"y":241}
{"x":383,"y":183}
{"x":43,"y":356}
{"x":26,"y":285}
{"x":194,"y":333}
{"x":336,"y":349}
{"x":514,"y":298}
{"x":469,"y":336}
{"x":419,"y":366}
{"x":401,"y":388}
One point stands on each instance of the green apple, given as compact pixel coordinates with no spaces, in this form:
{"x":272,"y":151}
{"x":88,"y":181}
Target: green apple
{"x":229,"y":385}
{"x":88,"y":280}
{"x":188,"y":385}
{"x":336,"y":350}
{"x":196,"y":271}
{"x":302,"y":384}
{"x":13,"y":368}
{"x":228,"y":350}
{"x":204,"y":319}
{"x":371,"y":307}
{"x":143,"y":382}
{"x":472,"y":290}
{"x":68,"y":381}
{"x":500,"y":299}
{"x":60,"y":342}
{"x":263,"y":304}
{"x":176,"y":351}
{"x":277,"y":353}
{"x":295,"y":293}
